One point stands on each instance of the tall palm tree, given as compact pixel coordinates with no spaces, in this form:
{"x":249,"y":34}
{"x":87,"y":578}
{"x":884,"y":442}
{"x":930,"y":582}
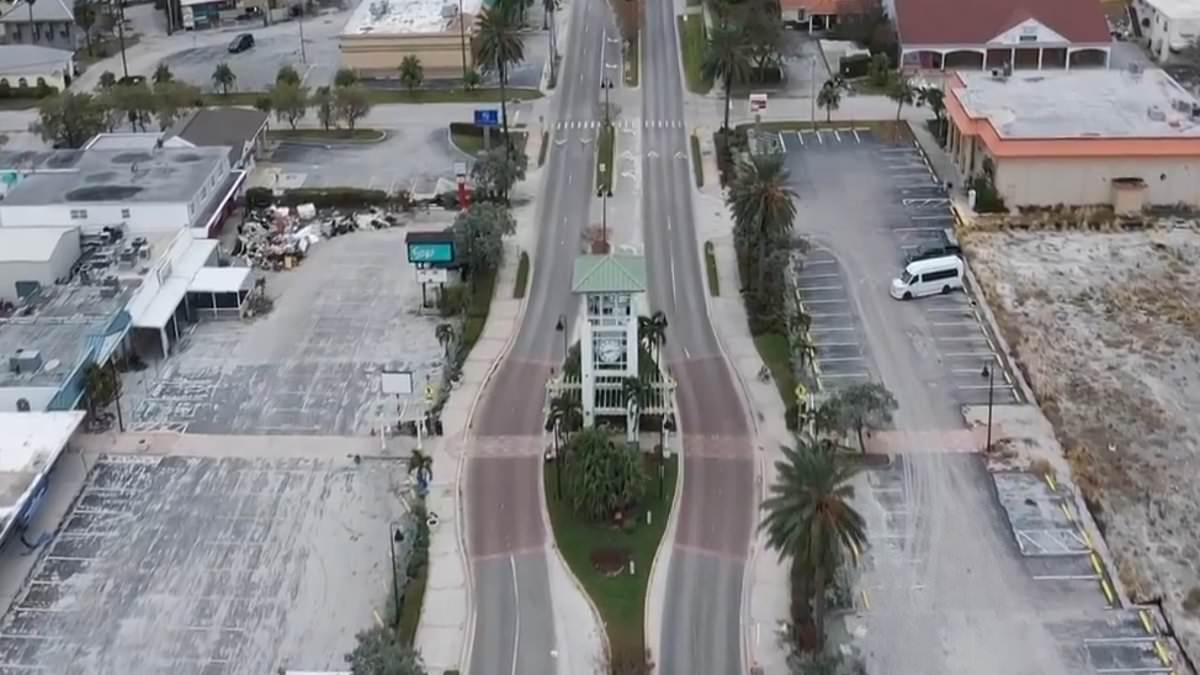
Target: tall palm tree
{"x":567,"y":411}
{"x":421,"y":464}
{"x":725,"y":57}
{"x":224,"y":77}
{"x":829,"y":98}
{"x":763,"y":205}
{"x":903,"y":93}
{"x":445,"y":335}
{"x":500,"y":46}
{"x":652,"y":330}
{"x":635,"y":392}
{"x":809,"y":517}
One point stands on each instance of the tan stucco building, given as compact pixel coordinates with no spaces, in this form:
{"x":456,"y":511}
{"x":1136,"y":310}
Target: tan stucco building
{"x":378,"y":36}
{"x":1085,"y":137}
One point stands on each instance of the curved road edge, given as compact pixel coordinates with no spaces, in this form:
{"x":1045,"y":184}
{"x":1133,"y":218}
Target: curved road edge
{"x":660,"y":566}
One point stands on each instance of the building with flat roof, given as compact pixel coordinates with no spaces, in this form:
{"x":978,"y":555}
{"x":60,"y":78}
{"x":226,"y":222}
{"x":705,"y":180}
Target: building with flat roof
{"x":380,"y":33}
{"x":30,"y":444}
{"x":1169,"y":26}
{"x":242,"y":131}
{"x":999,"y":34}
{"x":1085,"y":137}
{"x":34,"y":65}
{"x":32,"y":258}
{"x":156,"y":190}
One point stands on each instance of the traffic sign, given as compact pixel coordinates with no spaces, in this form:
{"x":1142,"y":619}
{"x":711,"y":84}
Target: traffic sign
{"x":758,"y":102}
{"x":487,"y":118}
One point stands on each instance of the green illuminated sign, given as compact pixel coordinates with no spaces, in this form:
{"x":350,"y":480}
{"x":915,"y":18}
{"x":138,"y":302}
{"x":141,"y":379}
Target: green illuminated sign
{"x":435,"y":252}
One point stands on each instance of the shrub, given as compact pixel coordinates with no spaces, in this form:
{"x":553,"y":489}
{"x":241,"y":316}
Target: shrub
{"x":987,"y":199}
{"x":322,"y":198}
{"x":5,"y":89}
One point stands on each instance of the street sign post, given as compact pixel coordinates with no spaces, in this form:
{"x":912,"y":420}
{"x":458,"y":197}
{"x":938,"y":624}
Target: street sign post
{"x":758,"y":103}
{"x":487,"y":118}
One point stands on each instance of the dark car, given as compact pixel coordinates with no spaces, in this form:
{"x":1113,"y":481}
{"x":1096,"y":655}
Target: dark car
{"x":940,"y":249}
{"x":241,"y":43}
{"x":132,"y":80}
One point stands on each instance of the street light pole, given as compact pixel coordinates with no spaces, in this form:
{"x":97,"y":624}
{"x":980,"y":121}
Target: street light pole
{"x":300,"y":21}
{"x":32,"y":27}
{"x":395,"y":535}
{"x":990,"y":374}
{"x":120,"y":36}
{"x":557,"y":458}
{"x":561,"y":327}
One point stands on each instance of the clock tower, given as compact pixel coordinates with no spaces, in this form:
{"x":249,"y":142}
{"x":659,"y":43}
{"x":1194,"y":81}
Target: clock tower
{"x":611,"y":286}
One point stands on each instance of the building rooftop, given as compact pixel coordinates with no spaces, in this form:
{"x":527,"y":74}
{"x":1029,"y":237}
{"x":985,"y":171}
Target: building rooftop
{"x":26,"y":58}
{"x":1112,"y":104}
{"x":218,"y":126}
{"x":124,"y":140}
{"x":612,"y":273}
{"x":375,"y":17}
{"x":30,"y":244}
{"x":968,"y":22}
{"x":1177,"y":9}
{"x":30,"y":443}
{"x":46,"y":10}
{"x":128,"y":176}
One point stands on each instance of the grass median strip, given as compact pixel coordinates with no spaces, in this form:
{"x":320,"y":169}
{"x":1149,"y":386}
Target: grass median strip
{"x":620,"y":596}
{"x":632,"y":63}
{"x":697,"y":161}
{"x":522,"y":276}
{"x":776,"y":353}
{"x":710,"y":264}
{"x":604,"y":158}
{"x":693,"y":41}
{"x":470,"y":139}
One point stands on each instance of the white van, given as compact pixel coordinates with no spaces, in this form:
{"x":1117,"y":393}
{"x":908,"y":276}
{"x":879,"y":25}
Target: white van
{"x":927,"y":277}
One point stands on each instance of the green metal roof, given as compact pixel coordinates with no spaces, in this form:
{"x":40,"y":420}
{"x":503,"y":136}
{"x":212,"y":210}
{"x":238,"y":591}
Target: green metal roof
{"x":609,"y":273}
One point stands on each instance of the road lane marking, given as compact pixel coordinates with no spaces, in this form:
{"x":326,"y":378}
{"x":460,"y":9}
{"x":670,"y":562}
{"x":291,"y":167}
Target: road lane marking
{"x":512,"y":561}
{"x":857,"y":139}
{"x":673,"y":297}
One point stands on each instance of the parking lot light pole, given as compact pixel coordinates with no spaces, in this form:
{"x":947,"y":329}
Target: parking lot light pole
{"x":300,"y":21}
{"x":990,"y":374}
{"x":561,"y":327}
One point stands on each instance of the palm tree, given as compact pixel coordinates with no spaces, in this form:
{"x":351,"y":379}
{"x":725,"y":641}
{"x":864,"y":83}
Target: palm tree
{"x":903,"y":93}
{"x":725,"y":57}
{"x":445,"y":335}
{"x":829,"y":98}
{"x":635,"y":393}
{"x":652,"y":330}
{"x":500,"y":46}
{"x":162,"y":74}
{"x":412,"y":73}
{"x":763,"y":205}
{"x":421,"y":464}
{"x":936,"y":100}
{"x":224,"y":77}
{"x":567,"y":411}
{"x":809,"y":517}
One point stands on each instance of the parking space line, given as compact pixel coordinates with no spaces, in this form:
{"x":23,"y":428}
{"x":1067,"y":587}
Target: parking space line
{"x":960,"y":308}
{"x":831,"y":261}
{"x":813,"y":289}
{"x":818,"y":276}
{"x":820,"y":140}
{"x":830,"y":330}
{"x":982,"y":386}
{"x":964,"y":338}
{"x":971,"y":355}
{"x":965,"y":371}
{"x":834,"y":376}
{"x":830,"y":315}
{"x":948,"y":217}
{"x":841,"y":359}
{"x":823,"y":302}
{"x":917,"y":229}
{"x":836,"y":344}
{"x":836,"y":136}
{"x":857,"y":139}
{"x":953,"y":323}
{"x":782,"y":145}
{"x":800,"y":136}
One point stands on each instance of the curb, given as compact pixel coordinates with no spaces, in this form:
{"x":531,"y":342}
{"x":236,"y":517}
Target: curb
{"x":666,"y":546}
{"x":469,"y":631}
{"x":552,"y":547}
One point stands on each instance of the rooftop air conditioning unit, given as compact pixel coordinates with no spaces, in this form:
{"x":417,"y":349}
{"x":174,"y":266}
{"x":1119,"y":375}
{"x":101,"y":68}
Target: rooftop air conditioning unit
{"x":1156,"y":113}
{"x":25,"y":361}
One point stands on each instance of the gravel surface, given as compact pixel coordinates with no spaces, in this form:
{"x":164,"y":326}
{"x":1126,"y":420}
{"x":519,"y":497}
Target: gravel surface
{"x":1107,"y":328}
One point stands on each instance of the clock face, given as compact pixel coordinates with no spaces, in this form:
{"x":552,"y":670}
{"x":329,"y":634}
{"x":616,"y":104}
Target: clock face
{"x":609,"y":350}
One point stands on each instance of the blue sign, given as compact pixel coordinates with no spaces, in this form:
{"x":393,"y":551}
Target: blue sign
{"x":435,"y":252}
{"x":487,"y":118}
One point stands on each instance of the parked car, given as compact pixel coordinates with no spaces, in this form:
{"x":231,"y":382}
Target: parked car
{"x":927,"y":277}
{"x":132,"y":79}
{"x":241,"y":43}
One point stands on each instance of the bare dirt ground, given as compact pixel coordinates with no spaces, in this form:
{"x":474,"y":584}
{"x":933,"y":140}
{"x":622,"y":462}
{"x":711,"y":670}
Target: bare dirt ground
{"x":1107,"y":329}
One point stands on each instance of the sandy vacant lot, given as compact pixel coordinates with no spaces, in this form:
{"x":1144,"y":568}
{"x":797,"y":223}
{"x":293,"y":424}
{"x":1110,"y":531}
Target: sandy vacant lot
{"x":1107,"y":328}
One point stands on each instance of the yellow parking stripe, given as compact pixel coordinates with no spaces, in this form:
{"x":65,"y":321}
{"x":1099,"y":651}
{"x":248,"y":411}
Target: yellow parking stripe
{"x":1050,"y":481}
{"x":1067,"y":512}
{"x":866,"y":599}
{"x":1108,"y":593}
{"x":1096,"y":564}
{"x":1161,"y":650}
{"x":1145,"y":617}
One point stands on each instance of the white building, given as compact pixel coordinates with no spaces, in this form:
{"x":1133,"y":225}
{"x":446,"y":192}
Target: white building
{"x":146,"y":191}
{"x":242,"y":131}
{"x":30,"y":444}
{"x":33,"y":65}
{"x":32,"y":258}
{"x":1168,"y":25}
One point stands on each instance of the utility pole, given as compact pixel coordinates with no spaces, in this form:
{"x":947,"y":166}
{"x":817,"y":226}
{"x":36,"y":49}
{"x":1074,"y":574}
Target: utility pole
{"x":33,"y":37}
{"x":462,"y":38}
{"x":300,"y":17}
{"x":120,"y":35}
{"x":812,"y":87}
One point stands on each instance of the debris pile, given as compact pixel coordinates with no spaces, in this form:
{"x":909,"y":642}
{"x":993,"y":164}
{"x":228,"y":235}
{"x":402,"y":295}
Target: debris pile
{"x":278,"y":237}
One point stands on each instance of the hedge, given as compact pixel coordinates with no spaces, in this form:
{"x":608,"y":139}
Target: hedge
{"x":322,"y":198}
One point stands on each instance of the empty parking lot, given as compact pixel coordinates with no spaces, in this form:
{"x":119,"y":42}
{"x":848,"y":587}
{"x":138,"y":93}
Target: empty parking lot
{"x":870,"y":201}
{"x":208,"y":566}
{"x":312,"y":365}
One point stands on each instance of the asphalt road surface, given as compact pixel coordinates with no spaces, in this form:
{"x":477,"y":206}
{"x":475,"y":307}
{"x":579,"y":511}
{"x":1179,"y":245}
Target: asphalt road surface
{"x":514,"y":628}
{"x":701,"y":620}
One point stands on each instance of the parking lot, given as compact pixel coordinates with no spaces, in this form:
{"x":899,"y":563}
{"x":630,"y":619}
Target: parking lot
{"x":896,"y":194}
{"x":1060,"y":615}
{"x":233,"y":566}
{"x":312,"y":365}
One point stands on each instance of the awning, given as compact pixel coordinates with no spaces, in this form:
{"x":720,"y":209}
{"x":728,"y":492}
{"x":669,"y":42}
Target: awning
{"x":221,"y":280}
{"x":163,"y":307}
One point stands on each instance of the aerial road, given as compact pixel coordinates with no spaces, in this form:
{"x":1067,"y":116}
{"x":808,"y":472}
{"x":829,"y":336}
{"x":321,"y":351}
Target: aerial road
{"x":514,"y":630}
{"x":700,"y":632}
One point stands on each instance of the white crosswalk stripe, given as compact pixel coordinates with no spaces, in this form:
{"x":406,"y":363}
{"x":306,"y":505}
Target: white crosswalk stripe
{"x":622,"y":124}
